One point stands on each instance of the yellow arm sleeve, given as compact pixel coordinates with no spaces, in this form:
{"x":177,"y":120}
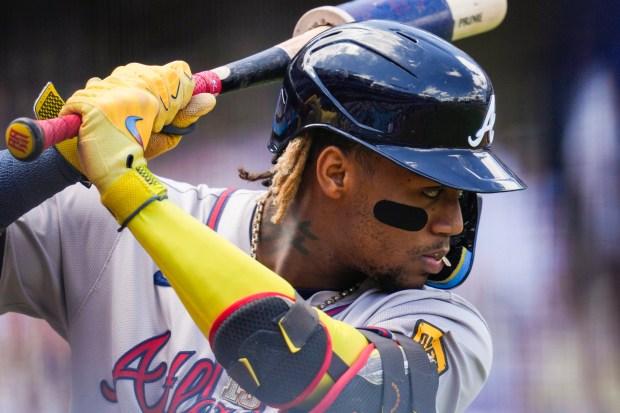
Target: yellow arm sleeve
{"x":211,"y":275}
{"x":208,"y":273}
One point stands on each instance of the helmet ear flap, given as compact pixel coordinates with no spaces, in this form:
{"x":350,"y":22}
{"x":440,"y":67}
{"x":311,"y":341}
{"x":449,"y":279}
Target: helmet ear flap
{"x":462,"y":246}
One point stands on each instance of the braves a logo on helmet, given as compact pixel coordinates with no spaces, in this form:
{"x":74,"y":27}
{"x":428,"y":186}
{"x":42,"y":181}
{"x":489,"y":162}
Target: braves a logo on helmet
{"x":487,"y":125}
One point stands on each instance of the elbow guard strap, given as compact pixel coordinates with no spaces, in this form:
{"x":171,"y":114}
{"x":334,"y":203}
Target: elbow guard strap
{"x":419,"y":390}
{"x":276,"y":350}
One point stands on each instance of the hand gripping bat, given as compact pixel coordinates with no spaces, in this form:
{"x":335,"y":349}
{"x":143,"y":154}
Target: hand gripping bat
{"x":27,"y":138}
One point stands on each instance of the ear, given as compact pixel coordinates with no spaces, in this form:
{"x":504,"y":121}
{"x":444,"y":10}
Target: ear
{"x":332,"y":171}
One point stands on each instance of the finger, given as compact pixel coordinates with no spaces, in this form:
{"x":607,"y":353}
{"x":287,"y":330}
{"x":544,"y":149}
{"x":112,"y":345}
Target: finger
{"x":160,"y":143}
{"x":198,"y":106}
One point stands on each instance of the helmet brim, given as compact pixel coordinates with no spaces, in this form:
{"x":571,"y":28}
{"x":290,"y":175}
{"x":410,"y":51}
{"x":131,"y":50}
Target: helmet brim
{"x":476,"y":171}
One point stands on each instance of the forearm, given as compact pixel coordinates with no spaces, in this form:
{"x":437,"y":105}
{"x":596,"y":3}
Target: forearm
{"x":24,"y":185}
{"x":208,"y":273}
{"x":2,"y":241}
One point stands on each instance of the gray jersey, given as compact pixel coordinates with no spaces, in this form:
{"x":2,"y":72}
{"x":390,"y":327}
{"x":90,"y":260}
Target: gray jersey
{"x":134,"y":347}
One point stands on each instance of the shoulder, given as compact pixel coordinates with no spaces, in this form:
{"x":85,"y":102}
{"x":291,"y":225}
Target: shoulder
{"x":228,"y":211}
{"x":414,"y":311}
{"x":374,"y":303}
{"x":189,"y":196}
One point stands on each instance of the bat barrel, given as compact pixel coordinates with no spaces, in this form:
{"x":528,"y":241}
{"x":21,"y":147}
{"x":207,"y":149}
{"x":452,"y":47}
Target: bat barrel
{"x":434,"y":16}
{"x":448,"y":19}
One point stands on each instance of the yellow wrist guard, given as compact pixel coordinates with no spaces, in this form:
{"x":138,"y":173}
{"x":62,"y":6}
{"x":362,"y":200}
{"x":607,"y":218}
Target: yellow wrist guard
{"x":133,"y":191}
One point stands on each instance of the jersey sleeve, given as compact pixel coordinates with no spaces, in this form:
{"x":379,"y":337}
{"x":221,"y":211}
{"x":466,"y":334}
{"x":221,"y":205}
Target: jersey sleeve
{"x":53,"y":254}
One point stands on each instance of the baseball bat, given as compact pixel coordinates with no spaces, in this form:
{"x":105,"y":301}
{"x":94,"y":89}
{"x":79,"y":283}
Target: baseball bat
{"x":27,"y":138}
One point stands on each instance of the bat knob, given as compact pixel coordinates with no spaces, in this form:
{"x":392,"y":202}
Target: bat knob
{"x":24,"y":139}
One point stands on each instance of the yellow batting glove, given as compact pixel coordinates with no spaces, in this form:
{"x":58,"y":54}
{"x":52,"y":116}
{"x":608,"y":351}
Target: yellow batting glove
{"x":49,"y":103}
{"x":118,"y":115}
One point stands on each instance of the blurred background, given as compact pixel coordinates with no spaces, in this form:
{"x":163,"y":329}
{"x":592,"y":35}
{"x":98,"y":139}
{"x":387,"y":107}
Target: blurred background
{"x":545,"y":274}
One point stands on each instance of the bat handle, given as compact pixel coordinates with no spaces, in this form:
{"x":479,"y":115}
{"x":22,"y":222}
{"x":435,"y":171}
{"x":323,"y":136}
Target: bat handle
{"x":207,"y":82}
{"x":27,"y":138}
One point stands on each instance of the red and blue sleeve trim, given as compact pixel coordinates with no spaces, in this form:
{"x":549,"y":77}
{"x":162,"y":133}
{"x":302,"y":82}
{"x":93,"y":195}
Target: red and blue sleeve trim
{"x":213,"y":220}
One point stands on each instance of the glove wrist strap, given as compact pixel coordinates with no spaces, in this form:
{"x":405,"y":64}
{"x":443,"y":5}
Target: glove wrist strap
{"x":131,"y":193}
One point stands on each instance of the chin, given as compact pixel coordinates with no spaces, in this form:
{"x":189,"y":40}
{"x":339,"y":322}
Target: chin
{"x":392,"y":284}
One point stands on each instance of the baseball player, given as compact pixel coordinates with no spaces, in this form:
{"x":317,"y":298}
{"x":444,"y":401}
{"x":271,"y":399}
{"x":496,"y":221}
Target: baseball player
{"x":329,"y":291}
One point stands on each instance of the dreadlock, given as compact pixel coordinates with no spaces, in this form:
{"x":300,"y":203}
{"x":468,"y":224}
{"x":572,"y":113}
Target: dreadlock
{"x":284,"y":178}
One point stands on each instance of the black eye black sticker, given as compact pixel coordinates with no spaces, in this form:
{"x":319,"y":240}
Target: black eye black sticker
{"x":400,"y":216}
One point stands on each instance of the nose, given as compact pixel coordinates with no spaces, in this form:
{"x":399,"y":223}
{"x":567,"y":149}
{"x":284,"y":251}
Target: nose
{"x":446,"y":218}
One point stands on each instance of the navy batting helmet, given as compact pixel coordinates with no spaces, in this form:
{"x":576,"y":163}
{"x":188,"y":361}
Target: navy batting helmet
{"x":409,"y":96}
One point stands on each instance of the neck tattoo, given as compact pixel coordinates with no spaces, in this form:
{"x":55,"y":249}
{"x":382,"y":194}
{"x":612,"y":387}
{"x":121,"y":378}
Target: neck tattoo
{"x":256,"y":226}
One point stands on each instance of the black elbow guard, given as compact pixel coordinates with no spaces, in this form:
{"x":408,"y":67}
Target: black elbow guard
{"x":275,"y":349}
